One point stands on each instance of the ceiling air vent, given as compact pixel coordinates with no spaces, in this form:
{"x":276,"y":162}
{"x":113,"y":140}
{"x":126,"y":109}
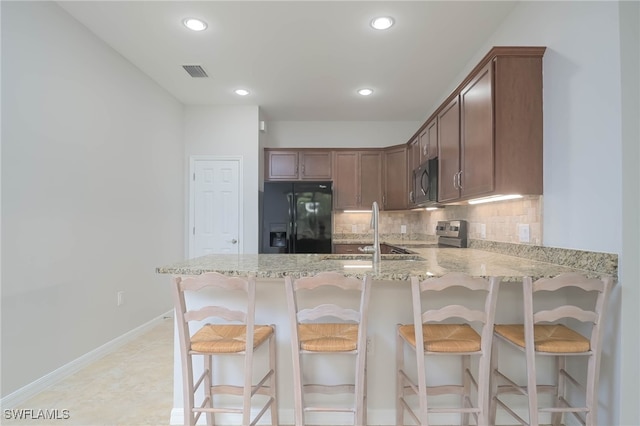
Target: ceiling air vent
{"x":195,"y":71}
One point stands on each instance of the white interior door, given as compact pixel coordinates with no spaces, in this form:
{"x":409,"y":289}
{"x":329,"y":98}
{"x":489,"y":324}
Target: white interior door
{"x":215,"y":206}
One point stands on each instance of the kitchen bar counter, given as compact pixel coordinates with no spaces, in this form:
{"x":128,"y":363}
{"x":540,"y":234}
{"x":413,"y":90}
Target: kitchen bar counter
{"x":390,"y":303}
{"x":424,"y":263}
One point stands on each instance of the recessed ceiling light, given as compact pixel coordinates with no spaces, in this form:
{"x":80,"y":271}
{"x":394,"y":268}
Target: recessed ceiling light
{"x":365,"y":92}
{"x":195,"y":24}
{"x":242,"y":92}
{"x":382,"y":23}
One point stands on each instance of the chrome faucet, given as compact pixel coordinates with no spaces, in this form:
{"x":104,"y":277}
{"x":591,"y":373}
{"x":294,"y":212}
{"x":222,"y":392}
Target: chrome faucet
{"x":375,"y":248}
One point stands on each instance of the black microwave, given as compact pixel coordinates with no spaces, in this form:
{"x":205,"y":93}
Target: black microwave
{"x":425,"y":183}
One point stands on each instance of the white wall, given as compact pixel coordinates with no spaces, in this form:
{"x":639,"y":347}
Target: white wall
{"x":92,"y":169}
{"x":629,"y":265}
{"x":231,"y":130}
{"x":582,"y":150}
{"x":339,"y":134}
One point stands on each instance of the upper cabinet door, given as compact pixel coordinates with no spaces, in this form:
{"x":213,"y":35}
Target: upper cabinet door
{"x":315,"y":165}
{"x":449,"y":151}
{"x":370,"y":178}
{"x":396,"y":179}
{"x":476,"y":138}
{"x":346,"y":180}
{"x":414,"y":160}
{"x":431,"y":136}
{"x":281,"y":165}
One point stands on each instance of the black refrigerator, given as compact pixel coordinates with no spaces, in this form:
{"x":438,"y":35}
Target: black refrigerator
{"x":296,"y":217}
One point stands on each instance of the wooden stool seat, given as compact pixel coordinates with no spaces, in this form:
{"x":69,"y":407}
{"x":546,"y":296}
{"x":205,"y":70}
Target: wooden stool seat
{"x":221,"y":339}
{"x":444,"y":337}
{"x":328,"y":337}
{"x":554,"y":338}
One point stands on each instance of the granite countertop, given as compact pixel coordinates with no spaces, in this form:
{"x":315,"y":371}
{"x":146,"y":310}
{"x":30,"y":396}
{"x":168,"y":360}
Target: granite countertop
{"x":424,"y":263}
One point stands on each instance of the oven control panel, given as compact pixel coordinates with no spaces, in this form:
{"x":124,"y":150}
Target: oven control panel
{"x":452,"y":232}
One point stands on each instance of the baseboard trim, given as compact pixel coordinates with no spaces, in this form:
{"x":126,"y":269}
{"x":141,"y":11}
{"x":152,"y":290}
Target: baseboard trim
{"x":286,"y":417}
{"x":26,"y":392}
{"x":374,"y":417}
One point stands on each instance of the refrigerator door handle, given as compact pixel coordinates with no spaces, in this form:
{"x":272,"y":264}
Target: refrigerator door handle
{"x":291,"y":224}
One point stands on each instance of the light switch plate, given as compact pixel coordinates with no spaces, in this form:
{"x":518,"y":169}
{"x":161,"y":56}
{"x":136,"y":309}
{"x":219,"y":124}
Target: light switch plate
{"x":354,"y":229}
{"x":403,"y":229}
{"x":483,"y":231}
{"x":523,"y":232}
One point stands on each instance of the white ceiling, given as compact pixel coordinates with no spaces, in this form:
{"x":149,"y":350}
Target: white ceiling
{"x":301,"y":60}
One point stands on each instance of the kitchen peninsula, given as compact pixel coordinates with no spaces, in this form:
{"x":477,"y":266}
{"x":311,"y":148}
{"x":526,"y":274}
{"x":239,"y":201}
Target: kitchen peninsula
{"x":426,"y":262}
{"x":390,"y":298}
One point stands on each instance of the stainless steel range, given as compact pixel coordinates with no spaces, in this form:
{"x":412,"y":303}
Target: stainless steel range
{"x":452,"y":233}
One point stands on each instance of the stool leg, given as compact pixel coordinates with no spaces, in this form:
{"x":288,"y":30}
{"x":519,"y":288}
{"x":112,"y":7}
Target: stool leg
{"x":466,"y":388}
{"x":361,"y":360}
{"x":493,"y":382}
{"x":561,"y":384}
{"x":207,"y":383}
{"x":532,"y":387}
{"x":272,"y":366}
{"x":593,"y":367}
{"x":364,"y":393}
{"x":187,"y":372}
{"x":399,"y":381}
{"x":298,"y":388}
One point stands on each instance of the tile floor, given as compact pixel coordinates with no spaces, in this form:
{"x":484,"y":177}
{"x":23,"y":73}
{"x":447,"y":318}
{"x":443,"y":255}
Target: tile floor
{"x":132,"y":386}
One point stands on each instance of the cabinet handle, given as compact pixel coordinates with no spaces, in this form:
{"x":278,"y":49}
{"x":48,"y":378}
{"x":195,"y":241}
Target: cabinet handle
{"x":457,"y":180}
{"x":303,"y":169}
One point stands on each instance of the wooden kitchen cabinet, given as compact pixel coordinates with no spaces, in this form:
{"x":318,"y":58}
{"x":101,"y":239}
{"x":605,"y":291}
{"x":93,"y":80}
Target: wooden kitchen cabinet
{"x":298,"y":164}
{"x":414,"y":156}
{"x":449,"y":151}
{"x":429,"y":141}
{"x":357,"y":179}
{"x":499,"y":111}
{"x":396,"y":178}
{"x":281,"y":165}
{"x":476,"y":135}
{"x":423,"y":147}
{"x":413,"y":162}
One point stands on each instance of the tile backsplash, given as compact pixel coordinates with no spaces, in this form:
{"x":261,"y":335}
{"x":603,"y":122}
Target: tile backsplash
{"x":500,"y":220}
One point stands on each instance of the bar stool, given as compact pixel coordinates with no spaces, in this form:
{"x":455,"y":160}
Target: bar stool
{"x":342,"y":330}
{"x":445,"y":330}
{"x":227,"y":336}
{"x":543,"y":335}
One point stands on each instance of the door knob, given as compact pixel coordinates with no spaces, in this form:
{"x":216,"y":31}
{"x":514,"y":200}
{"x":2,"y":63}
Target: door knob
{"x":234,"y":241}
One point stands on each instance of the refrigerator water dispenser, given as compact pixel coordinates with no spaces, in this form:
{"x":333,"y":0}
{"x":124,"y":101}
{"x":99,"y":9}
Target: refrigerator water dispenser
{"x":278,"y":235}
